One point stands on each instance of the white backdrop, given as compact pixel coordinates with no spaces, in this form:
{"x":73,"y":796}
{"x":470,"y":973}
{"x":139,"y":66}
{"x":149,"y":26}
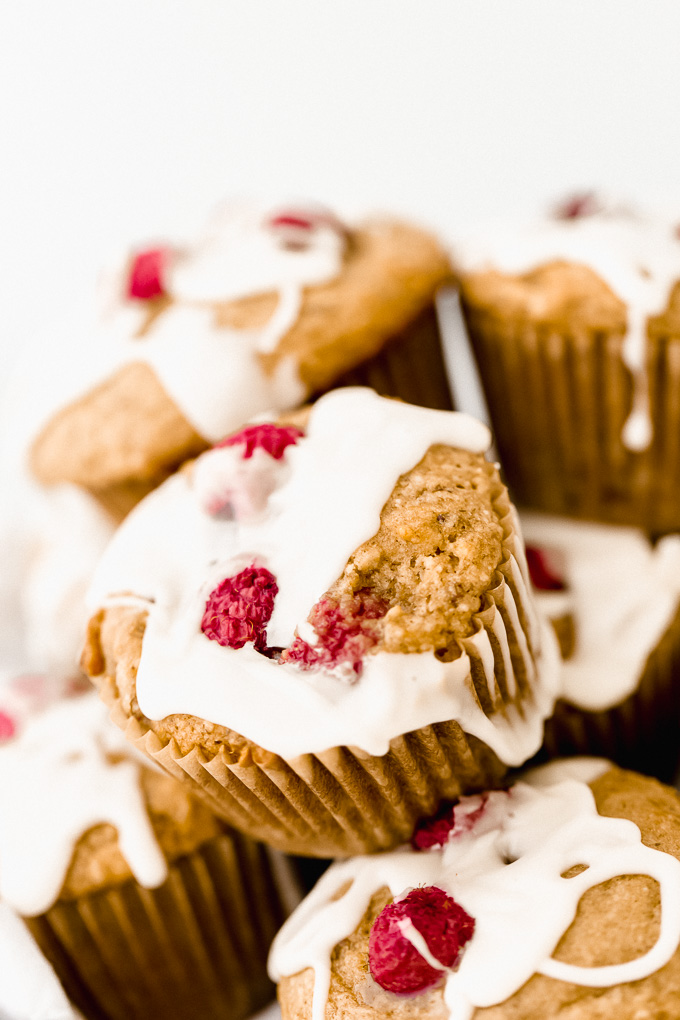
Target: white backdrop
{"x":121,"y":119}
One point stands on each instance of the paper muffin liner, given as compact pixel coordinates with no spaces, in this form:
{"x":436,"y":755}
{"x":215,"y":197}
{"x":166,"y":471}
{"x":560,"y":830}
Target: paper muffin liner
{"x":410,"y":366}
{"x":195,"y":946}
{"x":344,"y":801}
{"x":641,"y":733}
{"x":559,"y":401}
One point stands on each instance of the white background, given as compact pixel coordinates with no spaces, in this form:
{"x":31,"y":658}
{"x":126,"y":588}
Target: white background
{"x":122,"y":120}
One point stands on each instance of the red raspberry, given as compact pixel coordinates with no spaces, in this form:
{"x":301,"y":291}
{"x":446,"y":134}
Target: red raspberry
{"x":395,"y":963}
{"x":451,"y":820}
{"x":274,"y":439}
{"x":578,"y":206}
{"x":239,"y":609}
{"x":7,"y":726}
{"x":346,"y":634}
{"x":146,"y":274}
{"x":545,"y":573}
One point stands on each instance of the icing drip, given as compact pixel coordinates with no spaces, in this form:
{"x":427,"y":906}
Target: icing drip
{"x":506,"y":872}
{"x":640,"y":262}
{"x":68,"y":770}
{"x":331,"y":487}
{"x":623,"y":594}
{"x":29,"y":989}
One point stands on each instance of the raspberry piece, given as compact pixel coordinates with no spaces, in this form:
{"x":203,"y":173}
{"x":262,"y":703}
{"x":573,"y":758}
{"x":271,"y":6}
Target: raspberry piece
{"x":240,"y":607}
{"x":451,"y":820}
{"x":578,"y":206}
{"x":346,"y":634}
{"x":7,"y":726}
{"x":395,"y":963}
{"x":544,"y":571}
{"x":145,"y":281}
{"x":274,"y":439}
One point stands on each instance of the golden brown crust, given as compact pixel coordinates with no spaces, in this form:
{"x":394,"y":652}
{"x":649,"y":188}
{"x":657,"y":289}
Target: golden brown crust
{"x":435,"y":555}
{"x":603,"y":933}
{"x":180,"y":822}
{"x":127,"y":434}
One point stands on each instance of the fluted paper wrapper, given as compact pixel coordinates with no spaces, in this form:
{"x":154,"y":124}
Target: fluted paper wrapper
{"x":641,"y":733}
{"x":194,"y":947}
{"x":559,"y":402}
{"x":410,"y":366}
{"x":343,"y":801}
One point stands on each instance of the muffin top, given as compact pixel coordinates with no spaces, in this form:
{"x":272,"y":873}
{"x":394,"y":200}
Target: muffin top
{"x":475,"y":917}
{"x":264,"y":308}
{"x":315,"y":590}
{"x":79,"y":810}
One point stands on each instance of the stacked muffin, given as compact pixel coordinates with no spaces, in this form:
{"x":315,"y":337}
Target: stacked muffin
{"x":326,"y":628}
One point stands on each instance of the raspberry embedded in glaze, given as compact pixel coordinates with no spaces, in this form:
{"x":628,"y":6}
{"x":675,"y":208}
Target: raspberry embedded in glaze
{"x":273,"y":439}
{"x":343,"y":635}
{"x":430,"y":914}
{"x":547,"y":574}
{"x":146,"y":279}
{"x":7,"y":726}
{"x":239,"y":608}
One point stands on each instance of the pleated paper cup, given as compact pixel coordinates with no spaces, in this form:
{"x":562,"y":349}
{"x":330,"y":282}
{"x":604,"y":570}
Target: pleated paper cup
{"x":410,"y":366}
{"x":559,"y":401}
{"x":194,"y":947}
{"x":343,"y":801}
{"x":641,"y":732}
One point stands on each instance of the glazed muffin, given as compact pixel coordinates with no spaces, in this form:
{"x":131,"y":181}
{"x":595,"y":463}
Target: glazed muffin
{"x":266,"y":309}
{"x":140,"y":899}
{"x":614,"y":600}
{"x":326,"y":632}
{"x":575,"y":324}
{"x":556,"y":897}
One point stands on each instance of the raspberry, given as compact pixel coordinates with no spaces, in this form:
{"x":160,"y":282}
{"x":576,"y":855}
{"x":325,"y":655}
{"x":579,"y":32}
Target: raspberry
{"x":395,"y":963}
{"x":578,"y":206}
{"x":451,"y":820}
{"x":543,"y":570}
{"x":7,"y":726}
{"x":239,"y":609}
{"x":346,"y":633}
{"x":146,"y":274}
{"x":274,"y":439}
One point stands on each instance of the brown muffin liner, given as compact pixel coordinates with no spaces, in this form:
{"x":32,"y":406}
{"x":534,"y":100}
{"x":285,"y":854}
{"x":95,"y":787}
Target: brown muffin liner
{"x":642,"y":732}
{"x":559,"y":401}
{"x":410,"y":366}
{"x":343,"y":801}
{"x":195,"y":946}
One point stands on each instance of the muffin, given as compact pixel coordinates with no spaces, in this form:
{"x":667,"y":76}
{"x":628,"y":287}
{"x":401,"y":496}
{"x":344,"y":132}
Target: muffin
{"x":139,"y":898}
{"x":575,"y":323}
{"x":557,"y":897}
{"x":266,"y":309}
{"x":327,"y":632}
{"x":615,"y":601}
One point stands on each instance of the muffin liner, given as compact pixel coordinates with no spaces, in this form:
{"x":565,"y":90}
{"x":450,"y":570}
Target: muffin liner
{"x":410,"y":366}
{"x":343,"y":801}
{"x":641,"y":733}
{"x":195,"y":946}
{"x":559,"y":402}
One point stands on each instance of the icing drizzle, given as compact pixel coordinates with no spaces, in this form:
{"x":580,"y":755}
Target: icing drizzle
{"x":507,"y":873}
{"x":328,"y":493}
{"x":640,"y":262}
{"x":68,"y":770}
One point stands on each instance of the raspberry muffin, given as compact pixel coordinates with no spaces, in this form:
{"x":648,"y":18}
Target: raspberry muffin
{"x":327,"y":628}
{"x":575,"y":323}
{"x":139,"y":898}
{"x":558,"y":897}
{"x":615,"y":602}
{"x":268,"y":308}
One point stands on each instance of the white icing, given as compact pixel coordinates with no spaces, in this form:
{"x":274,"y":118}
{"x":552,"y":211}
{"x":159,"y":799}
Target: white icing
{"x":640,"y":262}
{"x":623,"y":593}
{"x":57,"y":781}
{"x":29,"y":989}
{"x":507,"y":873}
{"x":332,"y":488}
